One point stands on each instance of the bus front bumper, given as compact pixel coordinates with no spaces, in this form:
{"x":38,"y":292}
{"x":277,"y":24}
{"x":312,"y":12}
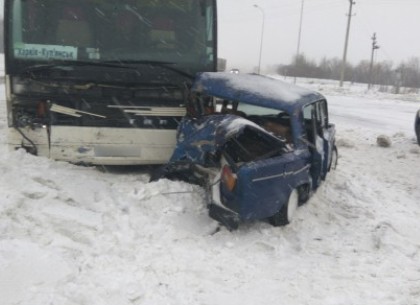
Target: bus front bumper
{"x":97,"y":146}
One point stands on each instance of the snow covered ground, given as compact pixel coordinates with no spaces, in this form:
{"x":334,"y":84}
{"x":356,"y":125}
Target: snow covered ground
{"x":74,"y":235}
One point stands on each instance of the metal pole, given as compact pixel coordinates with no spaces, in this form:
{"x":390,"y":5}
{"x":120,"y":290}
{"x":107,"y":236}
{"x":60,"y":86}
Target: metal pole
{"x":343,"y":63}
{"x":262,"y":36}
{"x":374,"y":47}
{"x":299,"y":36}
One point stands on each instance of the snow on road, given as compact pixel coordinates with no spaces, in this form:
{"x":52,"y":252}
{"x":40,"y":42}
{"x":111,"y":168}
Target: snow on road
{"x":74,"y":235}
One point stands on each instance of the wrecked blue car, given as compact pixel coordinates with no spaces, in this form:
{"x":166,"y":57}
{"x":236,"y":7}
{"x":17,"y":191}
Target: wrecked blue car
{"x":417,"y":126}
{"x":260,"y":147}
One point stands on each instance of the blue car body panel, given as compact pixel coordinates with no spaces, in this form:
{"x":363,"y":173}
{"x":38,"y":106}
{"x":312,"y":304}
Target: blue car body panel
{"x":264,"y":186}
{"x":255,"y":90}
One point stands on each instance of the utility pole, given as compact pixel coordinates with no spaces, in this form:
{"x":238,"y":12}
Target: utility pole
{"x":343,"y":63}
{"x":262,"y":36}
{"x":299,"y":36}
{"x":374,"y":47}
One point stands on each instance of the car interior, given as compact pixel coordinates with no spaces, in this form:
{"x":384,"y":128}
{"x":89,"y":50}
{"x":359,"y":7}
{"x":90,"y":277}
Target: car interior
{"x":252,"y":145}
{"x":274,"y":121}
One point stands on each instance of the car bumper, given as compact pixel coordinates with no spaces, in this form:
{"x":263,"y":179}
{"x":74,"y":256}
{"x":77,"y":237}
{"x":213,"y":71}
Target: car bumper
{"x":226,"y":217}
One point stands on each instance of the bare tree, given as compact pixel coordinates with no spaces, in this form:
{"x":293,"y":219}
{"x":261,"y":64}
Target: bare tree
{"x":406,"y":75}
{"x":410,"y":73}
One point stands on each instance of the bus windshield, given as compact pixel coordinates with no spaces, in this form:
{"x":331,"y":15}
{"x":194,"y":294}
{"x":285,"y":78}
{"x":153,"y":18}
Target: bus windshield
{"x":178,"y":32}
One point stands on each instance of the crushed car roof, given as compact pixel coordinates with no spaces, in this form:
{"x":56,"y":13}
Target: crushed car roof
{"x":254,"y":89}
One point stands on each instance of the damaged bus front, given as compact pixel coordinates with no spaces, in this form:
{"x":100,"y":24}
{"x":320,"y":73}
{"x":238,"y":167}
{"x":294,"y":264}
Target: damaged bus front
{"x":103,"y":82}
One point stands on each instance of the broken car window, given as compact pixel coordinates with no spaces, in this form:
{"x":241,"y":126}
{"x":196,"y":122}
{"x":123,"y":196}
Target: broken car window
{"x":252,"y":145}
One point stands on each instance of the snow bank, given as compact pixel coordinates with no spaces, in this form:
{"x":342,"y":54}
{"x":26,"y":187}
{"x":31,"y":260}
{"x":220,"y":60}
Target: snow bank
{"x":78,"y":235}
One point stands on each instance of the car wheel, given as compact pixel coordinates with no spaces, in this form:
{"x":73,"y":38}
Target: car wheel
{"x":417,"y":126}
{"x":304,"y":192}
{"x":334,"y":158}
{"x":287,"y":211}
{"x":418,"y":134}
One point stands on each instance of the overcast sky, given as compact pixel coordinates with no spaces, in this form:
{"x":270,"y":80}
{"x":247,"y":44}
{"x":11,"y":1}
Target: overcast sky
{"x":396,"y":23}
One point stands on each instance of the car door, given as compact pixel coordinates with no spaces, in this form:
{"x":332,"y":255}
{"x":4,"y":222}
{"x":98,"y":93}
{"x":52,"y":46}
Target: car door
{"x":320,"y":135}
{"x":264,"y":186}
{"x":327,"y":132}
{"x":254,"y":155}
{"x":267,"y":171}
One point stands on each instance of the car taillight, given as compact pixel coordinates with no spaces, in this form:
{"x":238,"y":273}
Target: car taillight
{"x":228,"y":178}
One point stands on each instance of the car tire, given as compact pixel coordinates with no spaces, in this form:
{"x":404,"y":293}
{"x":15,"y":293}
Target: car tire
{"x":417,"y":126}
{"x":304,"y":192}
{"x":334,"y":159}
{"x":287,"y":211}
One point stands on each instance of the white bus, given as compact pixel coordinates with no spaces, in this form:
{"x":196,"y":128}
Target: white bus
{"x":103,"y":81}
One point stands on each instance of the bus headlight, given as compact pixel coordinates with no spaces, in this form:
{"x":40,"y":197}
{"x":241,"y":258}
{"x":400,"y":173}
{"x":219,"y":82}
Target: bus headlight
{"x":22,"y":86}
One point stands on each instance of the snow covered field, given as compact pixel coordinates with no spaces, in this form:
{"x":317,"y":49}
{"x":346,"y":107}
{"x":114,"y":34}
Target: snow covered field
{"x":74,"y":235}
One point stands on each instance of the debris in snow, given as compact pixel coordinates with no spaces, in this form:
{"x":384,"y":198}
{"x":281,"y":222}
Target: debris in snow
{"x":345,"y":143}
{"x":383,"y":141}
{"x":399,"y":135}
{"x":415,"y":151}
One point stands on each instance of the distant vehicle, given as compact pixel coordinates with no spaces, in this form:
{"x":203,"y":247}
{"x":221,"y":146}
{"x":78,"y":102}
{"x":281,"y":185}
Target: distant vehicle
{"x":417,"y":126}
{"x":259,"y":153}
{"x":103,"y":82}
{"x":234,"y":71}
